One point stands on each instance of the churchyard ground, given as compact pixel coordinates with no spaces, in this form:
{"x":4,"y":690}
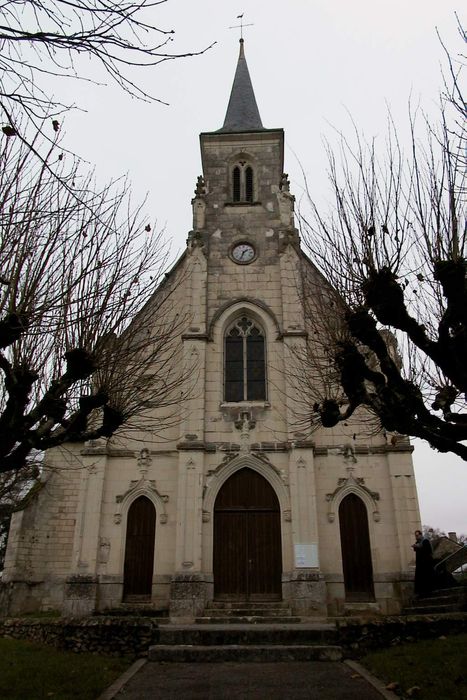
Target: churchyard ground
{"x":29,"y":670}
{"x":430,"y":669}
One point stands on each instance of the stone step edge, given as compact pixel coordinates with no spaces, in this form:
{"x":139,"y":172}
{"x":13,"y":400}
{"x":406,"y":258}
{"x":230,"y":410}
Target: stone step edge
{"x":438,"y":606}
{"x":246,"y":603}
{"x":433,"y":604}
{"x":274,"y":652}
{"x":436,"y":600}
{"x":247,"y":620}
{"x":247,"y":611}
{"x":429,"y":610}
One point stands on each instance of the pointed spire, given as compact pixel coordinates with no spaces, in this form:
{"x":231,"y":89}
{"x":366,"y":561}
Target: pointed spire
{"x":242,"y":111}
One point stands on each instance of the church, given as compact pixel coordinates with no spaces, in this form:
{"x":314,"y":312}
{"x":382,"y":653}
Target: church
{"x":238,"y":502}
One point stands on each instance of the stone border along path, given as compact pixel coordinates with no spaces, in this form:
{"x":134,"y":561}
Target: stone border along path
{"x":117,"y":685}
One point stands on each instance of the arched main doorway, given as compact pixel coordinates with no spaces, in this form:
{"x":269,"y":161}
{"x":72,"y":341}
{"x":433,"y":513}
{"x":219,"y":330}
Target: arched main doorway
{"x":356,"y":552}
{"x":247,"y":539}
{"x":139,"y":550}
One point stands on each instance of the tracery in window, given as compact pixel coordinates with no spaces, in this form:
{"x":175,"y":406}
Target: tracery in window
{"x":245,"y":375}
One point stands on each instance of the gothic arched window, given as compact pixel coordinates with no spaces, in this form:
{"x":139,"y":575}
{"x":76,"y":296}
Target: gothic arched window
{"x":245,"y":367}
{"x":242,"y":182}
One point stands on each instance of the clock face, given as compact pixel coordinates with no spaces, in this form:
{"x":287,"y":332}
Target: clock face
{"x":243,"y":252}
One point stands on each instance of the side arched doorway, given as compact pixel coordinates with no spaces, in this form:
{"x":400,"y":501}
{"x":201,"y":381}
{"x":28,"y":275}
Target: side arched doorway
{"x":356,"y":551}
{"x":247,"y":551}
{"x":139,"y":550}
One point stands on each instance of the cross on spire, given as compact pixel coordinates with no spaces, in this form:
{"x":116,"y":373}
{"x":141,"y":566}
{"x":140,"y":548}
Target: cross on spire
{"x":241,"y":25}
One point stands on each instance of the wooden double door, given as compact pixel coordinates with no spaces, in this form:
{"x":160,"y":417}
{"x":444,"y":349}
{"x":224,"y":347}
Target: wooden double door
{"x":247,"y":539}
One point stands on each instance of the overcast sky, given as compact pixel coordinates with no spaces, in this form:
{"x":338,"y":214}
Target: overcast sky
{"x":312,"y":64}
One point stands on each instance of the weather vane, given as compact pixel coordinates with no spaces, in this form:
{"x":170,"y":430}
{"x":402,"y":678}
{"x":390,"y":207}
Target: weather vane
{"x":241,"y":25}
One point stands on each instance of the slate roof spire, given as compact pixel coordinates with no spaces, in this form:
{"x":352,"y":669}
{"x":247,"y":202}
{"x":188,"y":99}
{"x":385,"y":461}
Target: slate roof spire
{"x":242,"y":111}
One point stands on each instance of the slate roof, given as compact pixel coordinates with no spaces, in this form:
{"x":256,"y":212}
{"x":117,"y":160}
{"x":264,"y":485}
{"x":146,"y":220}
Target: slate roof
{"x":242,"y":111}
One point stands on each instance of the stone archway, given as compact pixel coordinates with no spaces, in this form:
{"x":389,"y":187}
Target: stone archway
{"x":247,"y":556}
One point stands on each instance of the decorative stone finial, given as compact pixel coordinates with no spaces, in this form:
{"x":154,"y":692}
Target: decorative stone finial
{"x":284,"y":183}
{"x":200,"y":189}
{"x":199,"y":205}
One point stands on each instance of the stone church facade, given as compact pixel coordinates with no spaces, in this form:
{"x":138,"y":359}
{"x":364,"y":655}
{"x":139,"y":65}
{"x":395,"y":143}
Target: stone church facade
{"x":235,"y":503}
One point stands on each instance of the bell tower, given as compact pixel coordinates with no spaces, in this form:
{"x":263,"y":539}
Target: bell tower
{"x":242,"y":207}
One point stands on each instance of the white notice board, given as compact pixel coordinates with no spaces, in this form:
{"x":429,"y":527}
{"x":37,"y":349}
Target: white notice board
{"x":306,"y":556}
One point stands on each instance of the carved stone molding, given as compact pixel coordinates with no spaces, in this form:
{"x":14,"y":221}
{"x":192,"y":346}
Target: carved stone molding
{"x":357,"y":486}
{"x":137,"y":488}
{"x":217,"y":477}
{"x":144,"y":461}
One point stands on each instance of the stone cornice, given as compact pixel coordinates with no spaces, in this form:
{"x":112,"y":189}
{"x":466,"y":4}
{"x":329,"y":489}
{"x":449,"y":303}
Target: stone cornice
{"x":364,"y":449}
{"x":200,"y":446}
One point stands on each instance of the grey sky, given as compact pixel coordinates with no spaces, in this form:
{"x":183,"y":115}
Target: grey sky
{"x":312,"y":64}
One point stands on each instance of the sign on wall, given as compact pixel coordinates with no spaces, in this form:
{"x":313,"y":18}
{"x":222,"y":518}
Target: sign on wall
{"x":306,"y":556}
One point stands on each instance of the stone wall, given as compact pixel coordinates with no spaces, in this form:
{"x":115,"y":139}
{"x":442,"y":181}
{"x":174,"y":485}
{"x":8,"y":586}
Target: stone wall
{"x":358,"y":638}
{"x":122,"y":637}
{"x":133,"y":636}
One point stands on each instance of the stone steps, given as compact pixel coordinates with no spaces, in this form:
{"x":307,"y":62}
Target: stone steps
{"x":243,"y":653}
{"x":247,"y":604}
{"x":246,"y":643}
{"x":247,"y":612}
{"x":247,"y":619}
{"x":440,"y":601}
{"x":429,"y":609}
{"x":260,"y":634}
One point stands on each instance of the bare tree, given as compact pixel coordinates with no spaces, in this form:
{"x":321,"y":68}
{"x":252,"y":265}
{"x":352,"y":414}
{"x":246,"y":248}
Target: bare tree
{"x":85,"y":345}
{"x":16,"y":487}
{"x":394,"y":250}
{"x":44,"y":40}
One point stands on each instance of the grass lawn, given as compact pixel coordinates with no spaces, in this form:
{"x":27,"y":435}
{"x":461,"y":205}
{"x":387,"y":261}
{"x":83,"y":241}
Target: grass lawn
{"x":31,"y":671}
{"x":437,"y":666}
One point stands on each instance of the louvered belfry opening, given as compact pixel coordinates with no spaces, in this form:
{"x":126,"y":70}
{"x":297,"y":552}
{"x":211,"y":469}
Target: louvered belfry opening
{"x":356,"y":550}
{"x":242,"y":183}
{"x":236,"y":193}
{"x":139,"y":550}
{"x":245,"y":366}
{"x":247,"y":555}
{"x":249,"y":184}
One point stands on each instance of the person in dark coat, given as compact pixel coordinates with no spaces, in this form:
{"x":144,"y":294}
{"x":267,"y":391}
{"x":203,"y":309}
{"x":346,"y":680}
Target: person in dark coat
{"x":424,"y":571}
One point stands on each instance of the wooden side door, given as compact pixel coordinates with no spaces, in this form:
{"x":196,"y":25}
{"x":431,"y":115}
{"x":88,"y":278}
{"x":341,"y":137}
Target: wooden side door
{"x":139,"y":549}
{"x":356,"y":551}
{"x":247,"y":539}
